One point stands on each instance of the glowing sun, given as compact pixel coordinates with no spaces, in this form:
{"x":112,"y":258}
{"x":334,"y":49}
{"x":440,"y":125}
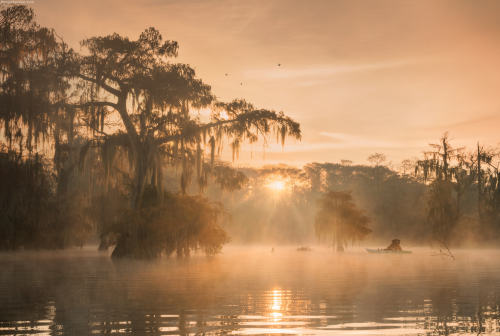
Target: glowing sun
{"x":276,"y":185}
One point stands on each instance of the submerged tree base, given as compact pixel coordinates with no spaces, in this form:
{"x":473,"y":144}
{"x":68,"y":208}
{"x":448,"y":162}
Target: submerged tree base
{"x":176,"y":223}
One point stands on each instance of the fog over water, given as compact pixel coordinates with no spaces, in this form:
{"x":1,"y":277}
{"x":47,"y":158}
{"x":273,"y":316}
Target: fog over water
{"x":251,"y":290}
{"x":173,"y":167}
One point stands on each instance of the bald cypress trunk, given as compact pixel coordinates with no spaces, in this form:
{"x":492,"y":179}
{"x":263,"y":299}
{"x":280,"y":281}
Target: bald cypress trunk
{"x":139,"y":179}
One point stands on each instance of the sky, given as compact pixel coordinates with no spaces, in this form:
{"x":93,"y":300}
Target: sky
{"x":359,"y":76}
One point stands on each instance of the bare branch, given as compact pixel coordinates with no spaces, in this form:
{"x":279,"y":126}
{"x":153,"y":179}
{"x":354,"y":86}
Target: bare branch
{"x":105,"y":86}
{"x":91,"y":103}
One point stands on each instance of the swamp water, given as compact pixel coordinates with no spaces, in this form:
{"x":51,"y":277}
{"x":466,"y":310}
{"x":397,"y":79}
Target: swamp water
{"x":251,"y":291}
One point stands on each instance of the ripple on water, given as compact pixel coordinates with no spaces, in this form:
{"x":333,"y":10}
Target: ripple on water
{"x":250,"y":291}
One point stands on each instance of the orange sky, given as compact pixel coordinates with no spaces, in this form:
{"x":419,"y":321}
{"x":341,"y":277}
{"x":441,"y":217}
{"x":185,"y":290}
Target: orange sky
{"x":360,"y":76}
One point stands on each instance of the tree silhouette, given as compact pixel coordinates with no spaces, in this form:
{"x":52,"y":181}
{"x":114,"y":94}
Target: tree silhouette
{"x":339,"y":221}
{"x":156,"y":102}
{"x":126,"y":107}
{"x":444,"y":167}
{"x":34,"y":123}
{"x":377,"y":159}
{"x":29,"y":90}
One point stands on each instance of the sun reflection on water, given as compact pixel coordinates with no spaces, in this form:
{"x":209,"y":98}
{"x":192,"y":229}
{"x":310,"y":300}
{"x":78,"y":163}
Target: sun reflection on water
{"x":276,"y":300}
{"x":347,"y":298}
{"x":276,"y":303}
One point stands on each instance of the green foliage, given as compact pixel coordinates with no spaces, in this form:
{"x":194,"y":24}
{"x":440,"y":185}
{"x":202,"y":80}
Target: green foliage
{"x":339,"y":221}
{"x":122,"y":101}
{"x":442,"y":211}
{"x":377,"y":159}
{"x":25,"y":201}
{"x":30,"y":91}
{"x":178,"y":224}
{"x":31,"y":216}
{"x":123,"y":124}
{"x":156,"y":101}
{"x":395,"y":203}
{"x":462,"y":193}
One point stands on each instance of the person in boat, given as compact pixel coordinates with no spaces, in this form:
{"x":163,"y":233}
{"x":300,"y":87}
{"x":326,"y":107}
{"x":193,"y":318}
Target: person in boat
{"x":395,"y":246}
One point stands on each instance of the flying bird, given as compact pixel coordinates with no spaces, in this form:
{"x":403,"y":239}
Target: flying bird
{"x":279,"y":64}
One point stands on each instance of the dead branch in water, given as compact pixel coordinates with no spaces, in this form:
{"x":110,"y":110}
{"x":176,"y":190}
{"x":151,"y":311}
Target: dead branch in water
{"x":444,"y":250}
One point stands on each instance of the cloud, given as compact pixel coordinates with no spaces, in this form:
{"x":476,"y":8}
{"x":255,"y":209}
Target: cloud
{"x":467,"y":123}
{"x":326,"y":70}
{"x":344,"y":141}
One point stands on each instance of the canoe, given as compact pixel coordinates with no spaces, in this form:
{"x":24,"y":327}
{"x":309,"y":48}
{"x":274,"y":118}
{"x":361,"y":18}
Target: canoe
{"x":304,"y":249}
{"x":383,"y":251}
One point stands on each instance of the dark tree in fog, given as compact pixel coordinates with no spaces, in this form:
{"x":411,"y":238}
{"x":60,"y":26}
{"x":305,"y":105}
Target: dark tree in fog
{"x":156,"y":102}
{"x":34,"y":123}
{"x":338,"y":220}
{"x":377,"y":159}
{"x":127,"y":108}
{"x":444,"y":167}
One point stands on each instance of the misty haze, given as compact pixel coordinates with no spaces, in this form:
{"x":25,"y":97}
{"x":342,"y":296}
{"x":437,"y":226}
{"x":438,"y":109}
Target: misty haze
{"x":226,"y":167}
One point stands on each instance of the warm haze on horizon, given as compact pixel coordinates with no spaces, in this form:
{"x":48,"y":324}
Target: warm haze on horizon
{"x":351,"y":209}
{"x":360,"y":77}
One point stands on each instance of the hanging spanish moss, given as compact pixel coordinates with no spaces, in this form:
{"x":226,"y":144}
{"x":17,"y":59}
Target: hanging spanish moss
{"x":115,"y":119}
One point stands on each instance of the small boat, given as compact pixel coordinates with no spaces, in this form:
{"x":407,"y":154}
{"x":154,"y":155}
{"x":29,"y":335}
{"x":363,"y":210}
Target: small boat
{"x":384,"y":251}
{"x":304,"y":249}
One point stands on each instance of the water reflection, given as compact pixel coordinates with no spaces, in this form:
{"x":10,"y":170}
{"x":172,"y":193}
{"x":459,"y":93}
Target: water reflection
{"x":250,"y":292}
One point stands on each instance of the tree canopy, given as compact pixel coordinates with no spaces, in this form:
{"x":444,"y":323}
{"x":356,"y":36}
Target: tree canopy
{"x":339,"y":221}
{"x":122,"y":109}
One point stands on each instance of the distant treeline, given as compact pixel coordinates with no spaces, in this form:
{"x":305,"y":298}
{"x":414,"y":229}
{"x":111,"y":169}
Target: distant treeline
{"x":108,"y":146}
{"x":448,"y":197}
